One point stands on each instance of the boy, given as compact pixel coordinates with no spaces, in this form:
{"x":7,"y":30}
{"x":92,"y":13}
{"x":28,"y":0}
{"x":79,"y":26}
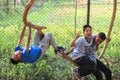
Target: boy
{"x":31,"y":54}
{"x":98,"y":39}
{"x":83,"y":50}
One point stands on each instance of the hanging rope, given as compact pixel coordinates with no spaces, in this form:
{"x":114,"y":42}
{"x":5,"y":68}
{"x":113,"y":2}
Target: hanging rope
{"x":28,"y":6}
{"x":110,"y":28}
{"x":75,"y":17}
{"x":88,"y":13}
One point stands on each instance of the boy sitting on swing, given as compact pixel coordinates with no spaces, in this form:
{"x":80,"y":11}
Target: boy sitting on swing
{"x":32,"y":53}
{"x":84,"y":54}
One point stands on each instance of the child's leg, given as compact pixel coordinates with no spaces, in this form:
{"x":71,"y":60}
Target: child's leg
{"x":51,"y":40}
{"x":86,"y":66}
{"x":98,"y":74}
{"x":104,"y":69}
{"x":38,"y":28}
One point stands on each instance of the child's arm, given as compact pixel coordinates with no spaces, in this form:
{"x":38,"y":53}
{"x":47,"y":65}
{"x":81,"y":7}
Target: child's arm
{"x":69,"y":51}
{"x":21,"y":36}
{"x":76,"y":37}
{"x":28,"y":40}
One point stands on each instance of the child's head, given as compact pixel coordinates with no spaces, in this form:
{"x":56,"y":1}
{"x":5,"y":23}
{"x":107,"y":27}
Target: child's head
{"x":16,"y":57}
{"x":87,"y":31}
{"x":100,"y":38}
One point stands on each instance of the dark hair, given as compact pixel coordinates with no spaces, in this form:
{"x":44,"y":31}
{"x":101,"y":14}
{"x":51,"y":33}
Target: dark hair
{"x":86,"y":26}
{"x":14,"y":61}
{"x":102,"y":35}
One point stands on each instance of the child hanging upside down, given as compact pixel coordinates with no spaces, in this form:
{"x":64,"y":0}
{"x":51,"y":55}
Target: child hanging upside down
{"x":41,"y":43}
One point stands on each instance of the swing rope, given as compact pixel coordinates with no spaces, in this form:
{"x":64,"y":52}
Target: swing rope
{"x":28,"y":6}
{"x":88,"y":13}
{"x":110,"y":28}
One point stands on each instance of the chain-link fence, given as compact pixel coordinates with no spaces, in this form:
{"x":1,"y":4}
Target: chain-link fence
{"x":63,"y":18}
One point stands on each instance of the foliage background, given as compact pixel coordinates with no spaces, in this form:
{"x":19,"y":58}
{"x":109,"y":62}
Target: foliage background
{"x":59,"y":17}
